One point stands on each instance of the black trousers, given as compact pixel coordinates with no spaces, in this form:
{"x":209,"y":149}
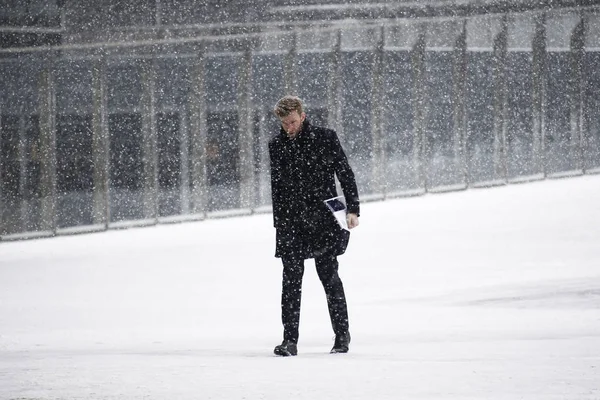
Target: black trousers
{"x":327,"y":270}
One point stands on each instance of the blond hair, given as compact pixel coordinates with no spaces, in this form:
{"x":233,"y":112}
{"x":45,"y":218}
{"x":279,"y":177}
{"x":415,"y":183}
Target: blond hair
{"x":287,"y":105}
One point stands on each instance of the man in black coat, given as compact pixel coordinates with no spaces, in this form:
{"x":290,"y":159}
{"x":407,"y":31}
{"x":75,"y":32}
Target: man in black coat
{"x":304,"y":161}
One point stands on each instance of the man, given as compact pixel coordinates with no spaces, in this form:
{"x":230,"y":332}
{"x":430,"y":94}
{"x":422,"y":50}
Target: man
{"x":304,"y":161}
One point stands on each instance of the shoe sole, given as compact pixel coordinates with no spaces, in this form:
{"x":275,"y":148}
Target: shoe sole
{"x":282,"y":353}
{"x":338,"y":351}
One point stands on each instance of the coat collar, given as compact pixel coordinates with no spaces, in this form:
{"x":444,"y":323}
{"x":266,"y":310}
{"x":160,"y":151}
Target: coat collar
{"x":304,"y":133}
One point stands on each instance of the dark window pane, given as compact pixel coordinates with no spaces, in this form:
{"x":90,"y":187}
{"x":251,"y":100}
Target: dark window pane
{"x":480,"y":117}
{"x":33,"y":157}
{"x":442,"y":168}
{"x":268,"y":79}
{"x":126,"y":166}
{"x":397,"y":120}
{"x":357,"y":83}
{"x":221,"y":81}
{"x":10,"y":175}
{"x":222,"y":152}
{"x":519,"y":132}
{"x":10,"y":165}
{"x":74,"y":170}
{"x":592,"y":61}
{"x":124,"y":88}
{"x":561,"y":154}
{"x":312,"y":78}
{"x":169,"y":164}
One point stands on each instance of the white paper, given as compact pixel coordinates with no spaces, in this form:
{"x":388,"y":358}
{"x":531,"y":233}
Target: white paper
{"x":337,"y":206}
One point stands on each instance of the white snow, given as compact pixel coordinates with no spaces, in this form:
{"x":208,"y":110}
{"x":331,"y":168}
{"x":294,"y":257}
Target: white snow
{"x":481,"y":294}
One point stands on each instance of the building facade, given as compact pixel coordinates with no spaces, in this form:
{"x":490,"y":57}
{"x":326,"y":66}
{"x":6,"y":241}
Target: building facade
{"x":126,"y":113}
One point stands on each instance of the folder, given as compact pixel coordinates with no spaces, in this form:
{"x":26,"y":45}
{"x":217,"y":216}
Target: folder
{"x":337,"y":206}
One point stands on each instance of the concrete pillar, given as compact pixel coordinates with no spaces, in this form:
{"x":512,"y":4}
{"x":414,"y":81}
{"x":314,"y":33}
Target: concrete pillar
{"x":500,"y":101}
{"x":460,"y":134}
{"x":540,"y":82}
{"x":2,"y":229}
{"x":22,"y":157}
{"x":264,"y":196}
{"x":100,"y":144}
{"x":246,"y":134}
{"x":185,"y":160}
{"x":334,"y":87}
{"x":150,"y":140}
{"x":378,"y":157}
{"x":290,"y":70}
{"x":578,"y":115}
{"x":198,"y":136}
{"x":421,"y":153}
{"x":47,"y":111}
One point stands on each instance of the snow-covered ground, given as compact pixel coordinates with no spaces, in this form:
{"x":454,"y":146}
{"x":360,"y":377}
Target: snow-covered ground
{"x":482,"y":294}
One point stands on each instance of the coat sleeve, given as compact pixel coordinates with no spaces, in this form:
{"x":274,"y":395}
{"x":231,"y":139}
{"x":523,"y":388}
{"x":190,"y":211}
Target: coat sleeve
{"x":345,"y":175}
{"x":276,"y":184}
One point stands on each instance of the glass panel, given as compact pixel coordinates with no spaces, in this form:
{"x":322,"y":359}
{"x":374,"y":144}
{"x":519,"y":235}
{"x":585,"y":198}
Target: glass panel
{"x":397,"y":121}
{"x":560,"y":25}
{"x":276,"y":42}
{"x":561,"y":151}
{"x":124,"y":88}
{"x":126,"y":167}
{"x":96,"y":15}
{"x":182,"y":12}
{"x":592,"y":30}
{"x":521,"y":28}
{"x":10,"y":174}
{"x":222,"y":154}
{"x":173,"y":84}
{"x":480,"y":117}
{"x":266,"y":126}
{"x":260,"y":161}
{"x":442,"y":163}
{"x":360,"y":37}
{"x":74,"y":88}
{"x":312,"y":78}
{"x":317,"y":116}
{"x":32,"y":192}
{"x":519,"y":132}
{"x":442,"y":34}
{"x":592,"y":60}
{"x":74,"y":170}
{"x":315,"y":39}
{"x":482,"y":30}
{"x":268,"y":80}
{"x":402,"y":36}
{"x":357,"y":82}
{"x":21,"y":158}
{"x":19,"y":85}
{"x":169,"y":164}
{"x":30,"y":13}
{"x":221,"y":81}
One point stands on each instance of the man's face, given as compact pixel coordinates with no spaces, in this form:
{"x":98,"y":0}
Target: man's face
{"x":292,"y":123}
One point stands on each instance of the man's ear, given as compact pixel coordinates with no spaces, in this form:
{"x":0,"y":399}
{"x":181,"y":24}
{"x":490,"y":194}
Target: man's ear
{"x":302,"y":116}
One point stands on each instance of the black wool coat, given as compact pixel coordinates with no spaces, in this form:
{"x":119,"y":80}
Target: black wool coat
{"x":302,"y":177}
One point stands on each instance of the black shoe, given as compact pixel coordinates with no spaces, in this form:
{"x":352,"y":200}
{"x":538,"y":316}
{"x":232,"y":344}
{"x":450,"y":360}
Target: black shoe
{"x":286,"y":348}
{"x":341,"y":344}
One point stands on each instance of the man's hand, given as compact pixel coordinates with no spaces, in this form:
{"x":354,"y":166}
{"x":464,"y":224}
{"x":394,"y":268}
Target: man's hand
{"x":352,"y":220}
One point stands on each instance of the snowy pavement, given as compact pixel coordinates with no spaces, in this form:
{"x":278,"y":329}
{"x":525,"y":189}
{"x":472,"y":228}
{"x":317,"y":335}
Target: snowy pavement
{"x":482,"y":294}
